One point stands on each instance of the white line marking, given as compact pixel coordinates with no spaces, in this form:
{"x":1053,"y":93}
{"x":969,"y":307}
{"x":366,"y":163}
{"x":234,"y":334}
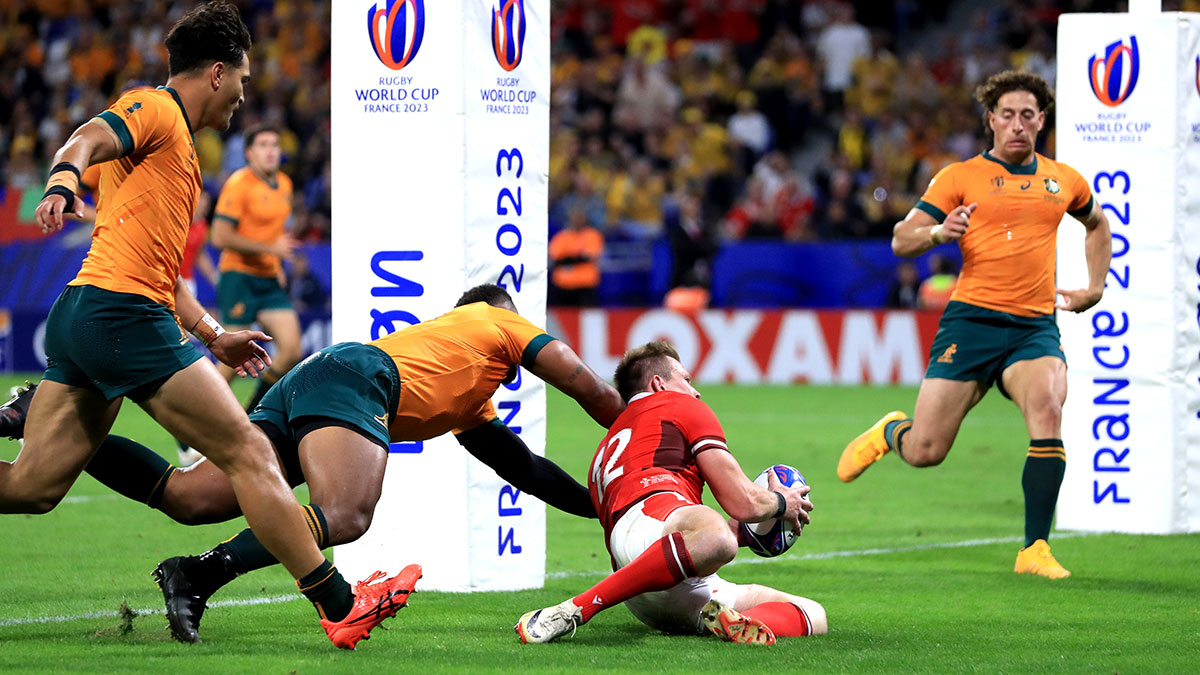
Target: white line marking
{"x":81,"y":499}
{"x":271,"y":600}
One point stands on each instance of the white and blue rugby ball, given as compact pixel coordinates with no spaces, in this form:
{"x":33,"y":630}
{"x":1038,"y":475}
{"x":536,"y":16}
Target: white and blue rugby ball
{"x":772,"y":537}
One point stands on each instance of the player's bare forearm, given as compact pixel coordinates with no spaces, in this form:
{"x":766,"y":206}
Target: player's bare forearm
{"x":741,"y":499}
{"x":911,"y":236}
{"x":920,"y":231}
{"x":1097,"y":248}
{"x":562,"y":368}
{"x":225,"y":236}
{"x":1097,"y":245}
{"x":187,"y":307}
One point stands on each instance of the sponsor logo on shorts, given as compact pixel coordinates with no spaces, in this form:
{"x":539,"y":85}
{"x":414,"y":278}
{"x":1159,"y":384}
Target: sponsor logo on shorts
{"x":382,"y":419}
{"x":948,"y":355}
{"x":238,"y":310}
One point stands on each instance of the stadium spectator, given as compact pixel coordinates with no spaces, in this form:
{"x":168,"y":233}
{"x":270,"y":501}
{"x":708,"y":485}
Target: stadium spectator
{"x":749,"y":132}
{"x":905,"y":289}
{"x":575,"y":262}
{"x":305,"y":290}
{"x":840,"y":44}
{"x":936,"y":290}
{"x":634,"y":201}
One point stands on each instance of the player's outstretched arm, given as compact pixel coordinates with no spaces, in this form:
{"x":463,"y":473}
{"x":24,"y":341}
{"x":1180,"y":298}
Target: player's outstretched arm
{"x":238,"y":350}
{"x":497,"y":446}
{"x":92,"y":143}
{"x":561,"y":367}
{"x":919,"y":231}
{"x":743,"y":500}
{"x":1097,"y":247}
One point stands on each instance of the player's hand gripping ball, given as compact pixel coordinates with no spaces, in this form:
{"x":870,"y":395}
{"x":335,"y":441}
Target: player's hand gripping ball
{"x":772,"y":537}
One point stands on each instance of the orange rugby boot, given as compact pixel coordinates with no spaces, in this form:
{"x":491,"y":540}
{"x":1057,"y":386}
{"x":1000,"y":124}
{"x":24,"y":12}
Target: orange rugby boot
{"x":867,"y":449}
{"x":373,"y":602}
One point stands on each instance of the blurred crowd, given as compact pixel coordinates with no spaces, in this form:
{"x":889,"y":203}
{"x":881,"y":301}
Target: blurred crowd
{"x":690,"y":123}
{"x":700,"y":122}
{"x":63,"y":61}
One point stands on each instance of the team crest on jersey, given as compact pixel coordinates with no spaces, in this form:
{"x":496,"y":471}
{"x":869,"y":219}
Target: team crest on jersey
{"x":1051,"y":186}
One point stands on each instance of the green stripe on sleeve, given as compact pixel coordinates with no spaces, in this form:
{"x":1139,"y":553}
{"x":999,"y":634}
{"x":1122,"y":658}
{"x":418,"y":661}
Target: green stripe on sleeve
{"x":535,"y":345}
{"x":222,"y":216}
{"x":118,"y":126}
{"x":1083,"y":212}
{"x":932,"y":210}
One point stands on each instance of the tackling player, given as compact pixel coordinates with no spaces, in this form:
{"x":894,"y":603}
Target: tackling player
{"x":332,"y":417}
{"x":248,"y":224}
{"x":114,"y":333}
{"x":646,"y":483}
{"x":1003,"y":208}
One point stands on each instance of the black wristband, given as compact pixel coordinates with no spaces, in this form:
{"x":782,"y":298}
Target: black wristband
{"x":66,"y":194}
{"x":66,"y":166}
{"x":782,"y":504}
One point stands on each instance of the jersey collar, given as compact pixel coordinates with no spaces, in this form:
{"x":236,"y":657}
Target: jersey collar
{"x":175,"y":96}
{"x":643,"y":394}
{"x":1015,"y":169}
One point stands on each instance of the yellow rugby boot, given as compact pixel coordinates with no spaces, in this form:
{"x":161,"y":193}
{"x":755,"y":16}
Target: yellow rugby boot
{"x":1037,"y":559}
{"x":866,"y":449}
{"x":732,"y":626}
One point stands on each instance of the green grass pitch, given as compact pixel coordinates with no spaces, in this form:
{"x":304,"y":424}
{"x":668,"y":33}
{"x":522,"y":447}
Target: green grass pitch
{"x":913,"y":566}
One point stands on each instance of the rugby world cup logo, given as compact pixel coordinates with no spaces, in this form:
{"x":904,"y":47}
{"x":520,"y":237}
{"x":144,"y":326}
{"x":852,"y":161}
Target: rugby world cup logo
{"x":1198,"y":74}
{"x":508,"y":33}
{"x":396,"y":30}
{"x":1114,"y":76}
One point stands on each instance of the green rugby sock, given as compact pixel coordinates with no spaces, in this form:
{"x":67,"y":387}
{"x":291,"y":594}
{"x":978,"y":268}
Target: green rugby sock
{"x":131,"y":470}
{"x":244,"y":553}
{"x":895,"y":431}
{"x":1045,"y":464}
{"x":328,"y":592}
{"x":247,"y":553}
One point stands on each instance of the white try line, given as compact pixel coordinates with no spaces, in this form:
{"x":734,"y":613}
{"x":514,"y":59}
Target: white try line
{"x":271,"y":600}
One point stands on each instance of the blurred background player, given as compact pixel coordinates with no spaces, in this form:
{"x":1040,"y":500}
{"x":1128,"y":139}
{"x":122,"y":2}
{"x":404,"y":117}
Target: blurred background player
{"x":116,"y":330}
{"x":249,"y":226}
{"x":1003,"y":208}
{"x":331,"y":420}
{"x":646,"y":482}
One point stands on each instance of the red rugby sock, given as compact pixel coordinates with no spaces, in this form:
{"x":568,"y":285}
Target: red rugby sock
{"x":666,"y":563}
{"x":783,"y":618}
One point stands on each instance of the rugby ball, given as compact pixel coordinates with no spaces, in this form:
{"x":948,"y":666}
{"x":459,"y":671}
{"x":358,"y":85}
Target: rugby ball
{"x":772,"y":537}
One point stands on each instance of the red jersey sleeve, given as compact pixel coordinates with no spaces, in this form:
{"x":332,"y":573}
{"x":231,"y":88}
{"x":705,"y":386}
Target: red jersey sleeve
{"x":700,"y":426}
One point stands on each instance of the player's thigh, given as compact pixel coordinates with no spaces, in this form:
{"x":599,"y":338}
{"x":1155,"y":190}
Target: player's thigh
{"x":283,"y":325}
{"x":706,"y":533}
{"x":199,"y":494}
{"x":63,"y":428}
{"x":756,"y":594}
{"x":344,"y":471}
{"x":197,"y":407}
{"x":941,"y":406}
{"x":1039,"y":388}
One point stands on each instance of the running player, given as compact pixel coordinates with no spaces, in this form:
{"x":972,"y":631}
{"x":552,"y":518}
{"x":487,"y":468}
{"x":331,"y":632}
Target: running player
{"x":249,"y":225}
{"x":113,"y":334}
{"x":646,"y":483}
{"x":331,"y":420}
{"x":1003,"y":208}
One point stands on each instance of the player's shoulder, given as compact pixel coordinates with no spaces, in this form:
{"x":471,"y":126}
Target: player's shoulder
{"x":1055,"y":167}
{"x":284,"y":181}
{"x":238,"y":179}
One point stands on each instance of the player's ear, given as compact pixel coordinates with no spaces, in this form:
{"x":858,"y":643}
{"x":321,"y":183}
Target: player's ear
{"x":215,"y":73}
{"x":657,"y":383}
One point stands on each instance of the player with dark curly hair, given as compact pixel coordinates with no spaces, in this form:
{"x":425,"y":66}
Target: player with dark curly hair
{"x":1003,"y":208}
{"x":116,"y":331}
